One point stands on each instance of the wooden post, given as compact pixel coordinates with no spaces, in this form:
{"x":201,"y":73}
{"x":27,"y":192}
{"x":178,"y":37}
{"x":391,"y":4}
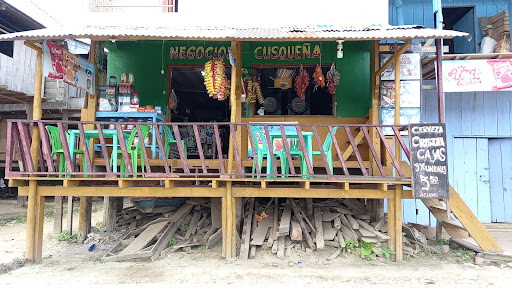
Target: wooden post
{"x":230,"y":211}
{"x":84,"y":222}
{"x":69,"y":221}
{"x":439,"y":71}
{"x":376,"y":205}
{"x":111,"y":208}
{"x":31,"y":219}
{"x":38,"y":248}
{"x":397,"y":201}
{"x":57,"y":215}
{"x":34,"y":227}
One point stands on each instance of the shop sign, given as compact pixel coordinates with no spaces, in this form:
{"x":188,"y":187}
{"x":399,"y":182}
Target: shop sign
{"x":58,"y":63}
{"x":477,"y":75}
{"x":428,"y":160}
{"x":288,"y":52}
{"x":198,"y":52}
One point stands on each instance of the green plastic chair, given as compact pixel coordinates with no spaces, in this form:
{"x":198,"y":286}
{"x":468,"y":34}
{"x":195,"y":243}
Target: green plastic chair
{"x":169,"y":139}
{"x":133,"y":150}
{"x":53,"y":133}
{"x":327,"y":147}
{"x":265,"y":152}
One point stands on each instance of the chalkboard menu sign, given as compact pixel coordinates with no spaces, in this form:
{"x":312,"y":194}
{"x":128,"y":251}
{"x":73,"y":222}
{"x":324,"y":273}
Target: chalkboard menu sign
{"x":428,"y":160}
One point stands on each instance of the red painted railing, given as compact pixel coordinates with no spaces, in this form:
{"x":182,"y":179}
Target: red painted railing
{"x":293,"y":143}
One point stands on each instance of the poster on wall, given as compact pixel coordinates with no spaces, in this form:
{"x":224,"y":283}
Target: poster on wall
{"x":477,"y":75}
{"x":407,"y":116}
{"x":410,"y":93}
{"x":60,"y":64}
{"x":410,"y":66}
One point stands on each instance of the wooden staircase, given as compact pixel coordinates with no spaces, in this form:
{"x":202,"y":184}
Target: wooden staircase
{"x":464,"y":228}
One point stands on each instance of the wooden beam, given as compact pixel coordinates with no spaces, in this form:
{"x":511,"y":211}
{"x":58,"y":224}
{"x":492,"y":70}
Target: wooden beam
{"x":98,"y":191}
{"x":402,"y":49}
{"x":33,"y":46}
{"x":310,"y":193}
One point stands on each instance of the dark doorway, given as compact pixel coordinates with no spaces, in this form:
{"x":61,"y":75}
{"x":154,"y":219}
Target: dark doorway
{"x":194,"y":104}
{"x":462,"y":18}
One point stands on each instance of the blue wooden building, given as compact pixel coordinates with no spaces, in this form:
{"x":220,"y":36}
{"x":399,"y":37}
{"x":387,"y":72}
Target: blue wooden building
{"x":479,"y":124}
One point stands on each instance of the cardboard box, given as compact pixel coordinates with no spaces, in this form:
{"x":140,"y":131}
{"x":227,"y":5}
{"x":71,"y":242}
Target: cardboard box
{"x":429,"y":232}
{"x":283,"y":83}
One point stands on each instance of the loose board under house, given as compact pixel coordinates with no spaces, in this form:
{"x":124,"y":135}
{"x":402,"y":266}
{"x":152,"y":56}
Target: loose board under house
{"x":429,"y":160}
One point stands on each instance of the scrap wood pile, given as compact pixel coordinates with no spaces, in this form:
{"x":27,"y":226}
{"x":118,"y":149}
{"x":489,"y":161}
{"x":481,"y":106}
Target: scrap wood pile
{"x":192,"y":225}
{"x":284,"y":228}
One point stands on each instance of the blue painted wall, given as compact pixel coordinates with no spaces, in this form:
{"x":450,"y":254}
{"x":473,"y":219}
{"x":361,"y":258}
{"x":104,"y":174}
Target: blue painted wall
{"x":420,"y":11}
{"x":479,"y":142}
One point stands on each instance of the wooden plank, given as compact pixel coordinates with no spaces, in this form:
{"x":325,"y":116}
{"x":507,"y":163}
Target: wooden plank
{"x":143,"y":239}
{"x":216,"y":212}
{"x":470,"y":177}
{"x":337,"y":222}
{"x":341,"y":239}
{"x":477,"y":125}
{"x":329,"y":216}
{"x":214,"y":239}
{"x":181,"y":212}
{"x":348,"y":233}
{"x":496,"y":181}
{"x":328,"y":231}
{"x":296,"y":211}
{"x":353,"y":223}
{"x":334,"y":255}
{"x":506,"y":154}
{"x":319,"y":229}
{"x":275,"y":227}
{"x":259,"y":234}
{"x":372,"y":229}
{"x":281,"y":247}
{"x":284,"y":225}
{"x":491,"y":117}
{"x":164,"y":239}
{"x":193,"y":225}
{"x":355,"y":205}
{"x":296,"y":231}
{"x":246,"y":232}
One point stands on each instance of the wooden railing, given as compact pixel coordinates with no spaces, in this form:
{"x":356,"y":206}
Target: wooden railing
{"x":293,"y":143}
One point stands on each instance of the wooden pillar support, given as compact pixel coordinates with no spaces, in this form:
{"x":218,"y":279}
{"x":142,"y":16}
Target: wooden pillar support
{"x":84,"y":221}
{"x":57,"y":215}
{"x":376,"y":206}
{"x":396,"y":203}
{"x":228,"y":204}
{"x":35,"y":210}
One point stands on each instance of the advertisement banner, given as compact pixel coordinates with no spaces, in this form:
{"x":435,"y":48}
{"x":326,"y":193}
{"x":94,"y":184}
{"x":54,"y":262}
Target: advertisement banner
{"x":477,"y":75}
{"x":60,"y":64}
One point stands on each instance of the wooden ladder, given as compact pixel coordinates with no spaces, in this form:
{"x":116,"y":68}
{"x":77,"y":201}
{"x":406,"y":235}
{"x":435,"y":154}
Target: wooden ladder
{"x":464,"y":229}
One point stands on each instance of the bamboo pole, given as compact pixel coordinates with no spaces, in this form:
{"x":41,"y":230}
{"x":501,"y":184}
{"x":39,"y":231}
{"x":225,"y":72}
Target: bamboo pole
{"x":33,"y":243}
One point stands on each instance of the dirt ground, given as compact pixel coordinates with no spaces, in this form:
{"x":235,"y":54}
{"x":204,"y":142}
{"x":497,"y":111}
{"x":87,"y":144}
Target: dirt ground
{"x":71,"y":264}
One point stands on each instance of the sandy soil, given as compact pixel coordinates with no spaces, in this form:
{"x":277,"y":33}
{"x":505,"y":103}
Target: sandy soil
{"x":71,"y":264}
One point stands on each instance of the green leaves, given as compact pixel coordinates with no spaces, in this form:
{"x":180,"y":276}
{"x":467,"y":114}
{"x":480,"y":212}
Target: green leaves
{"x":386,"y":251}
{"x":366,"y":251}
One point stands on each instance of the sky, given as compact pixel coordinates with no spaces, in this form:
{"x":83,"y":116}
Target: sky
{"x":65,"y":13}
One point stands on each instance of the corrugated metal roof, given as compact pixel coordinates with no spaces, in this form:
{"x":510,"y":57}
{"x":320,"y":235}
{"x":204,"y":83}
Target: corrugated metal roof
{"x":236,"y":33}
